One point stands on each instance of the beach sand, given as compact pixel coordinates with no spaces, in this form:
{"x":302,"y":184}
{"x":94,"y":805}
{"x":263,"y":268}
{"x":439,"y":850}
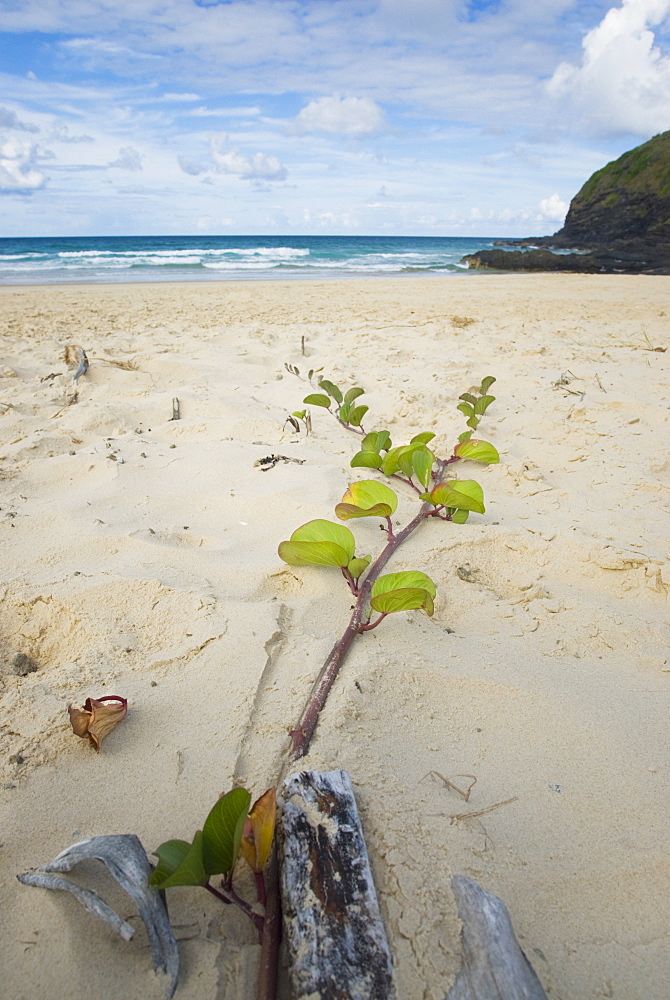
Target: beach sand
{"x":140,"y":559}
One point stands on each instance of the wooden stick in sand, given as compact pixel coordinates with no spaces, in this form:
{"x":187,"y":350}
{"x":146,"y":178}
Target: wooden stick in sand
{"x":335,"y":937}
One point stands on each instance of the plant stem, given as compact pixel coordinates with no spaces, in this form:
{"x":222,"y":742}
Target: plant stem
{"x":369,"y":627}
{"x":215,"y":892}
{"x":350,"y":581}
{"x":271,"y":934}
{"x":255,"y":918}
{"x":349,"y":427}
{"x":408,"y":482}
{"x":301,"y":736}
{"x":260,"y":888}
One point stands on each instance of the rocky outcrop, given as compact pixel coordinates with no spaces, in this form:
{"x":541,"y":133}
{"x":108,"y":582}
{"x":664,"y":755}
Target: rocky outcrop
{"x":621,"y":216}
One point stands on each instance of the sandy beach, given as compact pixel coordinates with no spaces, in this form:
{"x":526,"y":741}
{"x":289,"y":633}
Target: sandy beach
{"x":140,"y":559}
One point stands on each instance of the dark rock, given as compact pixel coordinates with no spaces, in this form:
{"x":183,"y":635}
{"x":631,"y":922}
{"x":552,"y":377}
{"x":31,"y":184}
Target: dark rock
{"x":628,"y":200}
{"x":621,"y":217}
{"x":530,"y":260}
{"x":23,"y":665}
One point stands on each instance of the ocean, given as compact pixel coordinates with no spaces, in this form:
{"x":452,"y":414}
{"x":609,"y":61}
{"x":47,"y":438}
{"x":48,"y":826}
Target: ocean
{"x":45,"y":260}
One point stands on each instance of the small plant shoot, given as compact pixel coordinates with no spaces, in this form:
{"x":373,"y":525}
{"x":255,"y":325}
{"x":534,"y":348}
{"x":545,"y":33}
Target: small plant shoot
{"x":230,"y":831}
{"x":319,"y":543}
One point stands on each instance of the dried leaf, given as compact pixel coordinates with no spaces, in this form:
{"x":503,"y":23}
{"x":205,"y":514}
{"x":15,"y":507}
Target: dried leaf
{"x":259,"y":831}
{"x":98,"y":717}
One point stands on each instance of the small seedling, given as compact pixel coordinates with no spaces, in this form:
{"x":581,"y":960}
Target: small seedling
{"x":327,"y":544}
{"x":300,"y":415}
{"x":231,"y":831}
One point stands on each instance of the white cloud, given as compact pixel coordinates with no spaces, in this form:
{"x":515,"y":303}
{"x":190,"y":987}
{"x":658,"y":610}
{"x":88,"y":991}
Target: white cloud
{"x":18,"y":167}
{"x":180,"y":97}
{"x":61,"y":133}
{"x":128,"y":159}
{"x":10,"y":119}
{"x":190,"y":167}
{"x":257,"y":167}
{"x":330,"y":220}
{"x":623,"y":82}
{"x":354,"y":116}
{"x":203,"y":112}
{"x":553,"y":208}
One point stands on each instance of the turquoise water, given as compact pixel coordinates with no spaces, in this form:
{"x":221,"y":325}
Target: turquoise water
{"x":42,"y":260}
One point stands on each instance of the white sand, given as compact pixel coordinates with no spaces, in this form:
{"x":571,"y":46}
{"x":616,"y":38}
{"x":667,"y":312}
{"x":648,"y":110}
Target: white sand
{"x":140,"y":559}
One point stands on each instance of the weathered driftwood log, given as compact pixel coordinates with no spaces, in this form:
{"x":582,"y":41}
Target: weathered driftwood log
{"x":127,"y":862}
{"x":494,"y":966}
{"x":337,"y":946}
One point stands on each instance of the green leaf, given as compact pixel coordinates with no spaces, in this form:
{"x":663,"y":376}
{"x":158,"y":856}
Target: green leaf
{"x":465,"y":494}
{"x":405,"y":599}
{"x":486,"y":384}
{"x":369,"y":442}
{"x":300,"y":414}
{"x":465,"y":408}
{"x":406,"y":458}
{"x":468,"y":397}
{"x":383,"y":440}
{"x":477,"y":451}
{"x":344,"y":412}
{"x":473,"y":422}
{"x":321,"y":530}
{"x":313,"y":554}
{"x":411,"y":578}
{"x":345,"y":511}
{"x":460,"y":516}
{"x":319,"y":543}
{"x":357,"y":414}
{"x":422,"y":463}
{"x":483,"y":402}
{"x":352,"y":394}
{"x":422,"y":438}
{"x":366,"y":460}
{"x":391,"y":461}
{"x":317,"y":399}
{"x":358,"y":566}
{"x":223,"y":830}
{"x":331,"y":389}
{"x":368,"y":492}
{"x":180,"y":863}
{"x":170,"y":855}
{"x":465,"y":436}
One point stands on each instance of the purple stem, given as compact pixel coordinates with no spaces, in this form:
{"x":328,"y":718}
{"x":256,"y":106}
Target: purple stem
{"x":350,"y":581}
{"x":301,"y":736}
{"x":370,"y":626}
{"x":408,"y":482}
{"x":255,"y":918}
{"x":260,"y":888}
{"x":215,"y":892}
{"x":271,"y":935}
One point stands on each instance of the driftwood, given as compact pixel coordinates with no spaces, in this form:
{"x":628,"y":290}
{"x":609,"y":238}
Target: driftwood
{"x":494,"y":966}
{"x":336,"y":942}
{"x":126,"y":860}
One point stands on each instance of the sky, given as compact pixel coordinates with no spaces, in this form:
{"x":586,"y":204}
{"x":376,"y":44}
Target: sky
{"x":287,"y":117}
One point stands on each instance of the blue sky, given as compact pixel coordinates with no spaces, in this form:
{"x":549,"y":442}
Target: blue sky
{"x":423,"y":117}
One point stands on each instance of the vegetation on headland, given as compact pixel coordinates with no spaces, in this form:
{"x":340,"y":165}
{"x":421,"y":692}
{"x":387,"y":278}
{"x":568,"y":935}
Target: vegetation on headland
{"x":621,"y":215}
